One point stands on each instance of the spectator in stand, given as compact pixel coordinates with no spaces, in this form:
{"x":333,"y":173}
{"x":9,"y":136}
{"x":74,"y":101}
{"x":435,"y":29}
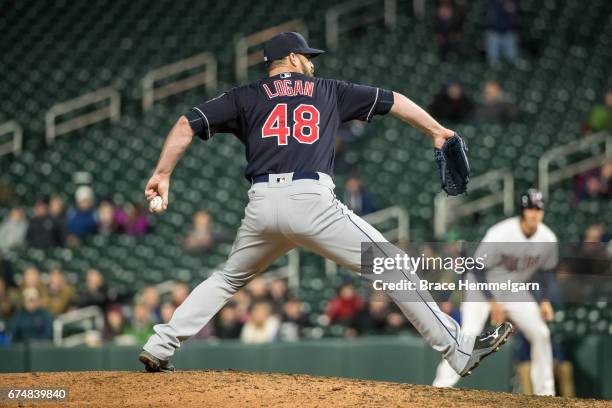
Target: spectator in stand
{"x":40,"y":233}
{"x":179,"y":293}
{"x":134,"y":220}
{"x":106,"y":221}
{"x":166,"y":311}
{"x":592,"y":257}
{"x":31,"y":280}
{"x":5,"y":338}
{"x":6,"y":272}
{"x":379,"y":316}
{"x":594,"y":234}
{"x":587,"y":185}
{"x":605,"y":189}
{"x":293,"y":320}
{"x":115,"y":323}
{"x":13,"y":230}
{"x":82,"y":218}
{"x":227,"y":323}
{"x":448,"y":28}
{"x":502,"y":24}
{"x":58,"y":217}
{"x":95,"y":293}
{"x":9,"y":300}
{"x":61,"y":294}
{"x":372,"y":319}
{"x":201,"y":236}
{"x":141,"y":327}
{"x":6,"y":193}
{"x":33,"y":322}
{"x":495,"y":108}
{"x":150,"y":297}
{"x":344,"y":307}
{"x":451,"y":103}
{"x":258,"y":289}
{"x":396,"y":322}
{"x":262,"y":326}
{"x":595,"y":183}
{"x":242,"y":300}
{"x":279,"y":294}
{"x":356,"y":196}
{"x":600,"y":118}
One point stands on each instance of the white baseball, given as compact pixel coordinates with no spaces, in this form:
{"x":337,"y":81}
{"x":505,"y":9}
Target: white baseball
{"x":156,"y":204}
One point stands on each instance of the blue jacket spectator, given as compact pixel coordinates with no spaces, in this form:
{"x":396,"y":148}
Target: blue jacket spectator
{"x":502,"y":23}
{"x":82,"y":218}
{"x":5,"y":339}
{"x":356,"y":197}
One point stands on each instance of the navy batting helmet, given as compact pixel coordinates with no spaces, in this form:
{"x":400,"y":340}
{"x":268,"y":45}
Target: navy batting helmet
{"x":532,"y":199}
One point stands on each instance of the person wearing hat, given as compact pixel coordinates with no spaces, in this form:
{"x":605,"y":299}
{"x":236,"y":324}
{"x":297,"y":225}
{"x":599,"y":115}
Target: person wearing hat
{"x":288,"y":122}
{"x":519,"y":249}
{"x":81,"y":220}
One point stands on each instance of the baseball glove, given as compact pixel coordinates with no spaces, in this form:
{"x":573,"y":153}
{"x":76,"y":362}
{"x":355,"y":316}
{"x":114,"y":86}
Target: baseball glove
{"x":453,"y":165}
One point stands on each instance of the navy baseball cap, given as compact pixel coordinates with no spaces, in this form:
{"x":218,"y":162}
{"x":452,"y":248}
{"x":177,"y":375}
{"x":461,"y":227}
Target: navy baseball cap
{"x":283,"y":44}
{"x":532,"y":199}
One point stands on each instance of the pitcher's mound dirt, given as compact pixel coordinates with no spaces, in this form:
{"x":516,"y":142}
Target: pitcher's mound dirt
{"x":235,"y":388}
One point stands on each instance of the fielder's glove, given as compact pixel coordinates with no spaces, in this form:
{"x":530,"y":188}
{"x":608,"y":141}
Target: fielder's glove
{"x":453,"y":165}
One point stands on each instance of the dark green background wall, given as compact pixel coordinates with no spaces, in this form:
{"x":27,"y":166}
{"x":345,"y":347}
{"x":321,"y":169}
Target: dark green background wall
{"x":400,"y":359}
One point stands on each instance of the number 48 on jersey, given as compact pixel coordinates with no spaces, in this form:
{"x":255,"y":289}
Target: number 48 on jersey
{"x":305,"y":124}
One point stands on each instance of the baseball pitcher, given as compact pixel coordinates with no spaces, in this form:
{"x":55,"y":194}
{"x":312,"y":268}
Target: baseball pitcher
{"x":287,"y":123}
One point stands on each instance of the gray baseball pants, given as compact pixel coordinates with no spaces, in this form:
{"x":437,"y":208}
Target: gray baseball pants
{"x":283,"y":214}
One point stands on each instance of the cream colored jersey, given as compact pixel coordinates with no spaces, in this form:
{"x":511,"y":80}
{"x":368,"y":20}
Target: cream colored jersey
{"x":507,"y":252}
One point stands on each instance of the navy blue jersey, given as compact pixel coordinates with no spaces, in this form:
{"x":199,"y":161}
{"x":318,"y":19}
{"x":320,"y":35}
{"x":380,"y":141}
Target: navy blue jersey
{"x":288,"y":122}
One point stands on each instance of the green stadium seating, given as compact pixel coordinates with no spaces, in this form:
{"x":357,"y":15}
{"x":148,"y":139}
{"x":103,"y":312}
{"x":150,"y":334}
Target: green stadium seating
{"x":56,"y":52}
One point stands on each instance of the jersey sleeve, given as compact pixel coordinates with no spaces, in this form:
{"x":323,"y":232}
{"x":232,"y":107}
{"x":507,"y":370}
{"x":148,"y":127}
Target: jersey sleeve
{"x":218,"y":115}
{"x":362,"y":102}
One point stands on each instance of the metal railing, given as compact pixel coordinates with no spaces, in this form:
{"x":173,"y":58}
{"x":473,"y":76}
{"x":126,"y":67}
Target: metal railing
{"x":112,"y":112}
{"x":208,"y":77}
{"x":89,"y":319}
{"x":14,"y":145}
{"x":400,"y":234}
{"x":447,"y":209}
{"x":332,"y":18}
{"x":588,"y":144}
{"x":246,"y":59}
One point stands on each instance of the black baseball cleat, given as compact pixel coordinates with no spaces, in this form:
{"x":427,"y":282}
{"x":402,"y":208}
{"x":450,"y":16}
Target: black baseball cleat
{"x":153,"y":364}
{"x":486,"y":344}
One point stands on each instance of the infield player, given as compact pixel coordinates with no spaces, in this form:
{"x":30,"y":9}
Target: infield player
{"x":515,"y":249}
{"x":287,"y":123}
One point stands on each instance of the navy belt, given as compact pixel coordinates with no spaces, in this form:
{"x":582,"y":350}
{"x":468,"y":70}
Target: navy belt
{"x":298,"y":175}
